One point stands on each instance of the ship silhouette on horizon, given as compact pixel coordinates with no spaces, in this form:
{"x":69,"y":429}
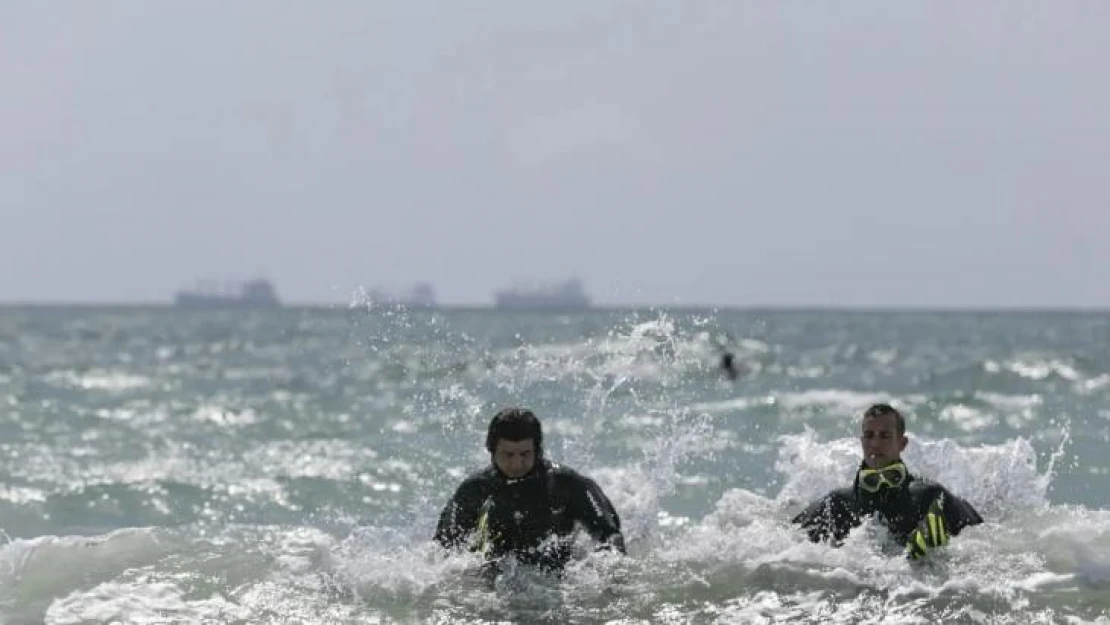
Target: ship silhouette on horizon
{"x":252,"y":294}
{"x":565,"y":295}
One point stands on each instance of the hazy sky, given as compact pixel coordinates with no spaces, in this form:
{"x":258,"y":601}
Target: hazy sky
{"x":719,"y":152}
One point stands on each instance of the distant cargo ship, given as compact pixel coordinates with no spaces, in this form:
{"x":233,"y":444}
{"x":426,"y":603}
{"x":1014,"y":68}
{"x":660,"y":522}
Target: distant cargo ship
{"x":251,"y":294}
{"x":568,"y":295}
{"x":420,"y":296}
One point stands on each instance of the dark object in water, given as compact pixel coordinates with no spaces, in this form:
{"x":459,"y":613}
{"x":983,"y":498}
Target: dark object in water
{"x":728,"y":365}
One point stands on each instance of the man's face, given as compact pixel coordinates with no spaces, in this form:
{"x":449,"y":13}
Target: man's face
{"x":515,"y":458}
{"x":881,"y":442}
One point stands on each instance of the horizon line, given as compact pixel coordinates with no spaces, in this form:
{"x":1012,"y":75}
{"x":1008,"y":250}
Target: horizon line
{"x":612,"y":307}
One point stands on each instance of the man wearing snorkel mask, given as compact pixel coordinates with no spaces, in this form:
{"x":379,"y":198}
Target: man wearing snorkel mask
{"x":524,"y":505}
{"x":919,"y":513}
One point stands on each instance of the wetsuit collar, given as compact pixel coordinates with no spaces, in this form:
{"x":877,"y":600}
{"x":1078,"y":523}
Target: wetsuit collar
{"x":537,"y":470}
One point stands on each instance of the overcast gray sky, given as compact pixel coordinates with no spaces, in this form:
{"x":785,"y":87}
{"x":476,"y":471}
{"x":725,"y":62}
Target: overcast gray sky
{"x":703,"y":152}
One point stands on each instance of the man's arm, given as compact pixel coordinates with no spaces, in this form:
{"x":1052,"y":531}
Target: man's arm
{"x":830,"y":518}
{"x":592,"y":508}
{"x":945,"y":515}
{"x":959,"y":513}
{"x":459,"y":517}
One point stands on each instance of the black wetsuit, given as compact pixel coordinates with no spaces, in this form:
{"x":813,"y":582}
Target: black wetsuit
{"x":524,"y":514}
{"x":903,"y":509}
{"x":728,"y":364}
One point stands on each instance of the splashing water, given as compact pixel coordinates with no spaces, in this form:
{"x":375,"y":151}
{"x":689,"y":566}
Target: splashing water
{"x":288,"y":466}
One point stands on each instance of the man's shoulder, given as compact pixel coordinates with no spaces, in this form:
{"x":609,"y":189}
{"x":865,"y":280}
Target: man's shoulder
{"x":562,"y":475}
{"x":835,"y":500}
{"x":561,"y":470}
{"x":844,"y":493}
{"x":925,"y":487}
{"x":956,"y":508}
{"x":926,"y":490}
{"x":478,"y":478}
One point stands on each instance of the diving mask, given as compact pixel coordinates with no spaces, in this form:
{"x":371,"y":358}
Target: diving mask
{"x":890,"y":476}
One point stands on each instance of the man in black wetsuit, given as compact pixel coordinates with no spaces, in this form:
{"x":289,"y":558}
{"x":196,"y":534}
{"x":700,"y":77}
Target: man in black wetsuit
{"x":523,"y":505}
{"x":919,"y":513}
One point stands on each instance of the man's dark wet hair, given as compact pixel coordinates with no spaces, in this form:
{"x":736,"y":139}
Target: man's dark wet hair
{"x":514,"y":424}
{"x":881,"y":410}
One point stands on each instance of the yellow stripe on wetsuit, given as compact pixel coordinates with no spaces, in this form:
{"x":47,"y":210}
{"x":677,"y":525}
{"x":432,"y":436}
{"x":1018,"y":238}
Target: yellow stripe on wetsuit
{"x":933,"y":534}
{"x":936,"y":530}
{"x":920,"y":538}
{"x":482,"y":534}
